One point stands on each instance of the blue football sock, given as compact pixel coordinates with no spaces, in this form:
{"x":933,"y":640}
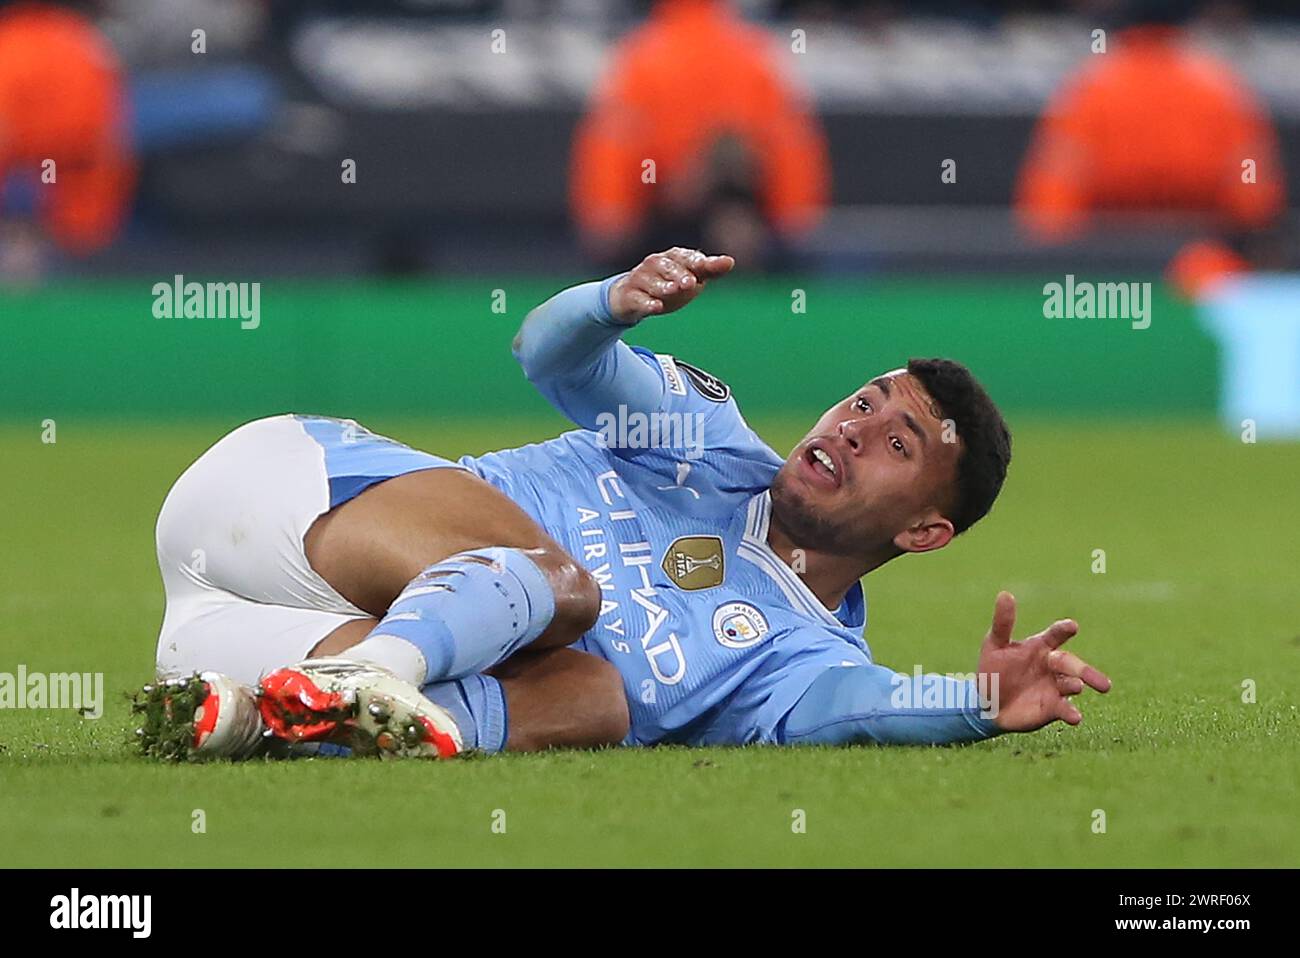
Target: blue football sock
{"x":478,"y":705}
{"x":469,"y":612}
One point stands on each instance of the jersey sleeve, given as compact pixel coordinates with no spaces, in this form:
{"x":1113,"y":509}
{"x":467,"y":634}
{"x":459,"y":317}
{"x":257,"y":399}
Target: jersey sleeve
{"x":569,"y":348}
{"x":647,"y":406}
{"x":849,"y":704}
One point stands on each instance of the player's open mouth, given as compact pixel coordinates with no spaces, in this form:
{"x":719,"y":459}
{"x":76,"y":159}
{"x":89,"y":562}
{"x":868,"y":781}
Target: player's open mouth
{"x":822,"y":466}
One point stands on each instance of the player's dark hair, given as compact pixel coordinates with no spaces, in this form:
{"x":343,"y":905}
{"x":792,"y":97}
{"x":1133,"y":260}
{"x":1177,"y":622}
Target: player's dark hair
{"x":986,"y":440}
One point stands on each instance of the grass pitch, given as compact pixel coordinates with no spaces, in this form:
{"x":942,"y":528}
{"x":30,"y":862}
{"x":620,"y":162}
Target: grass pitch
{"x":1200,"y":595}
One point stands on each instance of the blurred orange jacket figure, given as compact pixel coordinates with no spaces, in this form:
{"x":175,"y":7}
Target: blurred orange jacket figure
{"x":693,"y":76}
{"x":1150,"y":125}
{"x":62,"y":99}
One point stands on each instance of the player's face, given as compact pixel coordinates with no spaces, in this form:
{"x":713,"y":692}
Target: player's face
{"x":874,"y":469}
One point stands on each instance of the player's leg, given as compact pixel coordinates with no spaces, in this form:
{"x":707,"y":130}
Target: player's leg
{"x":537,"y":699}
{"x":228,"y":688}
{"x":252,"y":517}
{"x":217,"y":648}
{"x":370,"y":547}
{"x":562,"y":698}
{"x":242,"y":598}
{"x":555,"y":698}
{"x":229,"y":534}
{"x":461,"y":576}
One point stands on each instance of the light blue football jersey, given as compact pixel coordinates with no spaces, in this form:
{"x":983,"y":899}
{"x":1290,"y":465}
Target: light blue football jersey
{"x":704,"y":622}
{"x":663,"y":496}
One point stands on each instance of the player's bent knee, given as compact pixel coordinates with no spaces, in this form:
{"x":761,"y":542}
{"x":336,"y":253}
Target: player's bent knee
{"x":585,"y":597}
{"x":613,"y":721}
{"x":577,"y":594}
{"x":562,"y":698}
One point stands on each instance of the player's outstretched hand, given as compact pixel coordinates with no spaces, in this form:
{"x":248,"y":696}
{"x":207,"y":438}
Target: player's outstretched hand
{"x":664,"y":282}
{"x":1035,"y":677}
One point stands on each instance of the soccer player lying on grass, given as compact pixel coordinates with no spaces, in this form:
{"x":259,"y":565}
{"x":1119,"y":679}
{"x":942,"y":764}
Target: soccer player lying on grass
{"x":657,"y":575}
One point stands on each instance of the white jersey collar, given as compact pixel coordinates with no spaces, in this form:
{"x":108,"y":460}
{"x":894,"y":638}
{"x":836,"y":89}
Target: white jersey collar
{"x":754,"y":548}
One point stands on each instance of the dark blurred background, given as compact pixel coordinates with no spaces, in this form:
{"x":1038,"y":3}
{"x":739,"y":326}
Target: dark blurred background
{"x":405,"y":178}
{"x":487,"y":134}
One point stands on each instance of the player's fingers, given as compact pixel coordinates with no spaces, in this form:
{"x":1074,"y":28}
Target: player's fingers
{"x":1004,"y":619}
{"x":1069,"y":685}
{"x":1059,"y":632}
{"x":1067,"y":663}
{"x":672,"y":271}
{"x":1067,"y":712}
{"x":700,"y":264}
{"x":714,"y":266}
{"x":642,"y":302}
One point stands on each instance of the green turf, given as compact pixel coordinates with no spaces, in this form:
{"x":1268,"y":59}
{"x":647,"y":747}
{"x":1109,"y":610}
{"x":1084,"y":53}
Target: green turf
{"x":1201,"y":592}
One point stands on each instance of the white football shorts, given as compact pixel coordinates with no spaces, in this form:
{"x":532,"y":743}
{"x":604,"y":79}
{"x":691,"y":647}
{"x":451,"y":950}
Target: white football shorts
{"x":241,"y":597}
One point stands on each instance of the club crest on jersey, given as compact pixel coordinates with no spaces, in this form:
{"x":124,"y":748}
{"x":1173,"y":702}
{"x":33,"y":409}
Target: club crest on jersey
{"x":738,"y":625}
{"x":695,"y":562}
{"x":708,"y":385}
